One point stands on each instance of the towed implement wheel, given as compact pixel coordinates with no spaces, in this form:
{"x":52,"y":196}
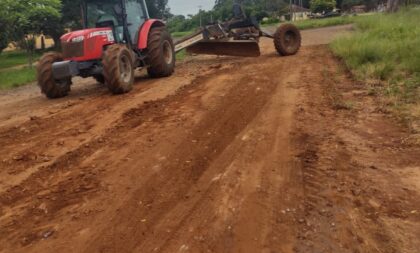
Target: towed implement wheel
{"x":287,"y":40}
{"x":118,"y":69}
{"x":51,"y":87}
{"x":161,"y":53}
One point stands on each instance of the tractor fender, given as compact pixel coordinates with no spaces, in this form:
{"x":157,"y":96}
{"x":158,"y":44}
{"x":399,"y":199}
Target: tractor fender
{"x":145,"y":29}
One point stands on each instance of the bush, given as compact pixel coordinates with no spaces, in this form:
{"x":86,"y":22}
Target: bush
{"x":270,"y":21}
{"x":320,"y":6}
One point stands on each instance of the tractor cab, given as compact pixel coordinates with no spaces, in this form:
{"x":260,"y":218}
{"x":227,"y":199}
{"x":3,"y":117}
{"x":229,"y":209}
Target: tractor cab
{"x":125,"y":17}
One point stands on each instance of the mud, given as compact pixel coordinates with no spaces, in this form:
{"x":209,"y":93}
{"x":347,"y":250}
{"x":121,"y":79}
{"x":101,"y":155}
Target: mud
{"x":268,"y":154}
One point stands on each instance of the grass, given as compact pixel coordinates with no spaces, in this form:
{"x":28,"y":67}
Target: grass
{"x":16,"y":77}
{"x":180,"y":56}
{"x":318,"y":23}
{"x":181,"y":34}
{"x":384,"y":52}
{"x":11,"y":59}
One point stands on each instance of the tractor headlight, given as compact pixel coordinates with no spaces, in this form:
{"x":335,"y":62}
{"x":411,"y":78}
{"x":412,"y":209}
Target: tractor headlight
{"x":78,"y":39}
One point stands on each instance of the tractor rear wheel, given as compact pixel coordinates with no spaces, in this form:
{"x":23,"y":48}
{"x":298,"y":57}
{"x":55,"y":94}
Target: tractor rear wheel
{"x":51,"y":87}
{"x":118,"y":69}
{"x":161,"y":53}
{"x":287,"y":40}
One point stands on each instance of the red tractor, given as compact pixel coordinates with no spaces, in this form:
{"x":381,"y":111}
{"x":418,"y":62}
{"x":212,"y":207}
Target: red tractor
{"x":118,"y":37}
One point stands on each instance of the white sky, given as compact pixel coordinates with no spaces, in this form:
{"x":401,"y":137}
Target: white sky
{"x":186,"y":7}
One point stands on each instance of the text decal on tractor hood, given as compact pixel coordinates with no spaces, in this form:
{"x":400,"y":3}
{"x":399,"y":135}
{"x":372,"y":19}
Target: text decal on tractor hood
{"x":107,"y":33}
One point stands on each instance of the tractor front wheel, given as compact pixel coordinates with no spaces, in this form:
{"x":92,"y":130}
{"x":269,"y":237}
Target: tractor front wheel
{"x":287,"y":40}
{"x":118,"y":69}
{"x":161,"y":53}
{"x":51,"y":87}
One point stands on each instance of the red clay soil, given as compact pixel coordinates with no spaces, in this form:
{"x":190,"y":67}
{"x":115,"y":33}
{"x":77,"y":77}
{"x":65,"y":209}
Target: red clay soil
{"x":269,"y":154}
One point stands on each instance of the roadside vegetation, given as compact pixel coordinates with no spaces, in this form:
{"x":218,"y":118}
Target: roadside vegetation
{"x":16,"y":77}
{"x":181,"y":55}
{"x":13,"y":59}
{"x":176,"y":35}
{"x":14,"y":70}
{"x":384,"y":53}
{"x":318,"y":23}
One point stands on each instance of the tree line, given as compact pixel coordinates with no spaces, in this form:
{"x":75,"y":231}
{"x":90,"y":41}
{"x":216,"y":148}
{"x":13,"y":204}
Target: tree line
{"x":21,"y":20}
{"x":264,"y":9}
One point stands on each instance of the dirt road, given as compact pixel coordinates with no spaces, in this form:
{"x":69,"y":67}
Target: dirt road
{"x":269,"y":154}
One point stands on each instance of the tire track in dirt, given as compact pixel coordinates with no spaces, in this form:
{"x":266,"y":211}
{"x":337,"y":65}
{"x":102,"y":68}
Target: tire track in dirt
{"x":72,"y":185}
{"x":76,"y":123}
{"x":187,"y":165}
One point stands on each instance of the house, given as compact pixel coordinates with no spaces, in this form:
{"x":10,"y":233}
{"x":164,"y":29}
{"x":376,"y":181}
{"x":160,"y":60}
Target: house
{"x":298,"y":13}
{"x":40,"y":40}
{"x":358,"y":9}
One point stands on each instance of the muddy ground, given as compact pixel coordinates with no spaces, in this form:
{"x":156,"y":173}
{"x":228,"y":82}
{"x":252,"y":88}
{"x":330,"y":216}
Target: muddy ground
{"x":270,"y":154}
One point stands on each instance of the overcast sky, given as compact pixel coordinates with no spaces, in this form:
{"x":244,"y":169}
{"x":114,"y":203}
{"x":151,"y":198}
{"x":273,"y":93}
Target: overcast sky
{"x":186,"y":7}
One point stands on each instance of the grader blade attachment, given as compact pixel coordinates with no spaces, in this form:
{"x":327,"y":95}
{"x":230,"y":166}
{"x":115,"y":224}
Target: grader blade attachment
{"x":228,"y":48}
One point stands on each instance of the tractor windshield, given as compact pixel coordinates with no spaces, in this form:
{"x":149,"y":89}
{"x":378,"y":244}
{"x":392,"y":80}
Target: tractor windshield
{"x":101,"y":13}
{"x":107,"y":13}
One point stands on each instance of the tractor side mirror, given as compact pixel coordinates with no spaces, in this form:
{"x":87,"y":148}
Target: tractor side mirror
{"x":118,"y":9}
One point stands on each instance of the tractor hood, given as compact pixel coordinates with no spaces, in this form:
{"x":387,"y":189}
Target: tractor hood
{"x":85,"y":45}
{"x":81,"y":35}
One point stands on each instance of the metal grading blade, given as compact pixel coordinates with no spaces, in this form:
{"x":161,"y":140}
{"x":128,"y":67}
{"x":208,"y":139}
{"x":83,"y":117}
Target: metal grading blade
{"x":230,"y":48}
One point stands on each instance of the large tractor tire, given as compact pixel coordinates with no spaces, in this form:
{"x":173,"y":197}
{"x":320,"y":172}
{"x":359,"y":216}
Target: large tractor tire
{"x":51,"y":87}
{"x":118,"y":69}
{"x":287,"y":40}
{"x":161,"y":53}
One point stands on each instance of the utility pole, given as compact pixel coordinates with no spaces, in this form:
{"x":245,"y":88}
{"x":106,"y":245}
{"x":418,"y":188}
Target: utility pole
{"x":290,"y":7}
{"x":199,"y":12}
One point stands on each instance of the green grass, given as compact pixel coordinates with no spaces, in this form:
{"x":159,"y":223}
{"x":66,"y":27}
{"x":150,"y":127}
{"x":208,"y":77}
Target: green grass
{"x":385,"y":52}
{"x":11,"y":59}
{"x":181,"y":34}
{"x":318,"y":23}
{"x":16,"y":77}
{"x":180,"y":56}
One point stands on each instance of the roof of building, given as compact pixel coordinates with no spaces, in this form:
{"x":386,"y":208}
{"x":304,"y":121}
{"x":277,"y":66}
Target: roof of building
{"x":297,"y":8}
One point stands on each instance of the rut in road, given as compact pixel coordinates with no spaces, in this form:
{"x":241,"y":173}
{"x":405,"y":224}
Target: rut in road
{"x":221,"y":166}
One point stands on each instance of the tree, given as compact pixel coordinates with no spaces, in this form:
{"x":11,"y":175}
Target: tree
{"x":4,"y":41}
{"x":158,"y":8}
{"x":25,"y":19}
{"x":320,"y":6}
{"x":6,"y":21}
{"x":393,"y":5}
{"x":71,"y":18}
